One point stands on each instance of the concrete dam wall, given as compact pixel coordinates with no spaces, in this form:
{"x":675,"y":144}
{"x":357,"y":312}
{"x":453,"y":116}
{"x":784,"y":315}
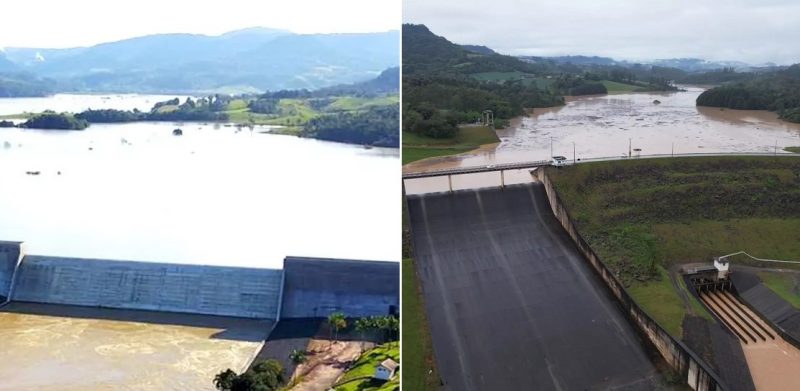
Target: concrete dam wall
{"x":9,"y":257}
{"x":315,"y":287}
{"x":197,"y":289}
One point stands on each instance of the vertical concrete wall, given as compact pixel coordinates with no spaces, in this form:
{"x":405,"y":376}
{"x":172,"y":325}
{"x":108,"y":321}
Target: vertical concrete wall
{"x":315,"y":287}
{"x":210,"y":290}
{"x":9,"y":257}
{"x":697,"y":374}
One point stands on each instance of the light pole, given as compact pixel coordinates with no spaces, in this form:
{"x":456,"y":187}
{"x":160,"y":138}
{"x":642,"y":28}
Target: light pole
{"x":551,"y":147}
{"x":573,"y":152}
{"x":629,"y":147}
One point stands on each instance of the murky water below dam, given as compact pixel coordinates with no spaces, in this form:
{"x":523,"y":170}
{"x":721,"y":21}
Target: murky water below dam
{"x":610,"y":125}
{"x":63,"y":348}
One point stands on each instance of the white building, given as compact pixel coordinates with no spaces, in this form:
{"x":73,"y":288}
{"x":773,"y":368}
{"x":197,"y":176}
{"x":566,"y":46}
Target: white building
{"x":386,"y":370}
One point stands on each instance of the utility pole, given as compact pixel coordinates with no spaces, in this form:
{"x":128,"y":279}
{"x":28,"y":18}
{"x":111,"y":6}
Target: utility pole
{"x":776,"y":148}
{"x":629,"y":148}
{"x":573,"y":152}
{"x":551,"y":147}
{"x":673,"y":149}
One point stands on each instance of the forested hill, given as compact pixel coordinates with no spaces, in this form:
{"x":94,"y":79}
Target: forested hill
{"x":777,"y":91}
{"x":244,"y":61}
{"x":425,"y":52}
{"x":440,"y":89}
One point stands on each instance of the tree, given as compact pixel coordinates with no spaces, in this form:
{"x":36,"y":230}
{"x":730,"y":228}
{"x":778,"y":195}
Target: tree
{"x":264,"y":376}
{"x":298,"y":356}
{"x":362,"y":326}
{"x":337,"y":321}
{"x":224,"y":379}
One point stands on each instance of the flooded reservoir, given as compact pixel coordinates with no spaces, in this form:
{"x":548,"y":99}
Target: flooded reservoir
{"x":216,"y":195}
{"x":607,"y":126}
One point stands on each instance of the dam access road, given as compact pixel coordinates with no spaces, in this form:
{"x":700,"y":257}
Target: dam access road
{"x":511,"y":303}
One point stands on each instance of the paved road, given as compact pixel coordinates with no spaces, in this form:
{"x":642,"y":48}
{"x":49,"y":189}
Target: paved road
{"x":512,"y":306}
{"x":540,"y":163}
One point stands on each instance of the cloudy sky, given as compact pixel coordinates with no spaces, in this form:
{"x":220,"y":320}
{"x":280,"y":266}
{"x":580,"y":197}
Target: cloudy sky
{"x":56,"y":24}
{"x":754,"y":31}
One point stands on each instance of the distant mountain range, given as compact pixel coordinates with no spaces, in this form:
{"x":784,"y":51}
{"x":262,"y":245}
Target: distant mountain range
{"x":690,"y":65}
{"x":250,"y":60}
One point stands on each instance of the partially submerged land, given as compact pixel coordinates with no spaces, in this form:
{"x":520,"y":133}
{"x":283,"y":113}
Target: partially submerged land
{"x":363,"y":113}
{"x":446,"y":86}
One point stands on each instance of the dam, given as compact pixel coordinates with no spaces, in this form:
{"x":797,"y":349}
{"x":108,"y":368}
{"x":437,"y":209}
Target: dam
{"x":511,"y":302}
{"x":77,"y":324}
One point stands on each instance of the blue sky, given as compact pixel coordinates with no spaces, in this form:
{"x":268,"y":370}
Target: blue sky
{"x":741,"y":30}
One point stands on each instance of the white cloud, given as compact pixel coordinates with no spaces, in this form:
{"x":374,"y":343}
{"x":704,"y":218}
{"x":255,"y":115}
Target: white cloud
{"x":746,"y":30}
{"x":86,"y":22}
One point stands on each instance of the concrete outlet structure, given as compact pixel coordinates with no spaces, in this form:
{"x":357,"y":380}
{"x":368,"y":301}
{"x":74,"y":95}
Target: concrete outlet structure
{"x":315,"y":287}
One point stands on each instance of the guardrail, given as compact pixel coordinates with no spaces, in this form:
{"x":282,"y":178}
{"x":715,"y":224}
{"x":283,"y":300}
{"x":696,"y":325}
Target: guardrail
{"x":539,"y":163}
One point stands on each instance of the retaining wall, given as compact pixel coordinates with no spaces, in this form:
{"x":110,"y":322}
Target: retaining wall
{"x":698,"y":375}
{"x":9,"y":258}
{"x":316,"y":287}
{"x":209,"y":290}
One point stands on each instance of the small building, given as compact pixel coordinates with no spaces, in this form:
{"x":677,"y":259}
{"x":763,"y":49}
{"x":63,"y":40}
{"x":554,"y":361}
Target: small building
{"x":722,"y":265}
{"x":386,"y":369}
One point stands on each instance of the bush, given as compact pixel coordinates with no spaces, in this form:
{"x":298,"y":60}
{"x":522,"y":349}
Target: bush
{"x":263,"y":376}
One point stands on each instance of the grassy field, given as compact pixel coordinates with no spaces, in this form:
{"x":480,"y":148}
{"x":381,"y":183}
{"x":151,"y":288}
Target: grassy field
{"x":660,"y":300}
{"x":353,"y":103}
{"x":785,"y":285}
{"x":364,"y":368}
{"x":613,"y":86}
{"x":17,"y":116}
{"x":416,"y":147}
{"x":642,"y":216}
{"x":417,"y":349}
{"x":792,"y":149}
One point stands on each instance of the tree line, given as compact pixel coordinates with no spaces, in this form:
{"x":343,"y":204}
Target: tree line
{"x":777,"y":91}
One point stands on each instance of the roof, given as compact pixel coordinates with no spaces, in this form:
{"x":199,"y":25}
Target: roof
{"x":559,"y":158}
{"x":389,"y":364}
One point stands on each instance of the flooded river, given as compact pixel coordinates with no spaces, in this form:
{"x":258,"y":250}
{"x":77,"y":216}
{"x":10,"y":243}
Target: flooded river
{"x":611,"y":125}
{"x":216,"y":195}
{"x":62,"y":348}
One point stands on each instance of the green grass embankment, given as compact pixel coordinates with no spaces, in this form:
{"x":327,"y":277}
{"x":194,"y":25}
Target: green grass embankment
{"x":364,"y":368}
{"x":642,"y":216}
{"x":419,"y":369}
{"x":468,"y":138}
{"x":784,"y":285}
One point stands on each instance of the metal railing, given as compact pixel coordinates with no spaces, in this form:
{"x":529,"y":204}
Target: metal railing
{"x":539,"y":163}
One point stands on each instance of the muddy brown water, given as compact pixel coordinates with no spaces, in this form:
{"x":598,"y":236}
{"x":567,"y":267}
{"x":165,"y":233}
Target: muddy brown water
{"x":61,"y":348}
{"x":605,"y":126}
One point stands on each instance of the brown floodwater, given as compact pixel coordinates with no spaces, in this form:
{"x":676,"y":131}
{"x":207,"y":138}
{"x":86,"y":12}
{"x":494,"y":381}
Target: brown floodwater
{"x":605,"y":126}
{"x":62,"y":348}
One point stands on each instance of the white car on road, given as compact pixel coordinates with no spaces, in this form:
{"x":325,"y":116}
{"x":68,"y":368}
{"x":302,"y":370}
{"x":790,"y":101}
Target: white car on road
{"x":558,"y":161}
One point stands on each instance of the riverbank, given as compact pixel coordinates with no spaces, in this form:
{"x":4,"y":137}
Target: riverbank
{"x":468,"y":138}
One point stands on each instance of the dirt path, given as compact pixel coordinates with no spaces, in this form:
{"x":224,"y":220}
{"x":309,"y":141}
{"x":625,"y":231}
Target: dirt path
{"x":327,"y":361}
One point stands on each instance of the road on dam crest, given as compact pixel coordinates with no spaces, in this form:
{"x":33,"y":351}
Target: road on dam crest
{"x":512,"y":305}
